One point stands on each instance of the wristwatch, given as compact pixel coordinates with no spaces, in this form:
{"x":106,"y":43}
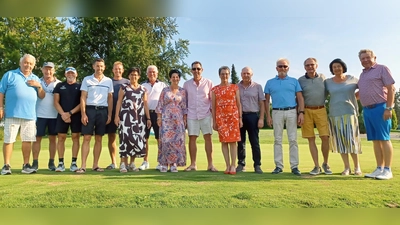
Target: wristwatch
{"x":301,"y":112}
{"x":389,"y":108}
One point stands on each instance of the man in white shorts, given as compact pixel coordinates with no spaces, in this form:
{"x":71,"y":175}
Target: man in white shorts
{"x":199,"y":115}
{"x":21,"y":89}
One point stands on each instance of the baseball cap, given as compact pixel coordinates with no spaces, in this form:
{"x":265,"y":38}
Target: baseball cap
{"x":49,"y":64}
{"x":70,"y":69}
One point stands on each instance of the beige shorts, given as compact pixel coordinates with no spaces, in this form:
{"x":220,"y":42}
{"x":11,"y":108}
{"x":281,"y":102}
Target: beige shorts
{"x":12,"y":125}
{"x":194,"y":126}
{"x":318,"y":117}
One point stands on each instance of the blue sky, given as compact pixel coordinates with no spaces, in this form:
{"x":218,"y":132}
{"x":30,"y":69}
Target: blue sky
{"x":257,"y":33}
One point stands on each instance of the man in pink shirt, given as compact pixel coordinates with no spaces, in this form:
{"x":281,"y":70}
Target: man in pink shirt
{"x":199,"y":115}
{"x":376,"y":92}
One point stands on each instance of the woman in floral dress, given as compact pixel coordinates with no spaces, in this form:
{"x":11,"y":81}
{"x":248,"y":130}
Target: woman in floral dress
{"x":227,"y":117}
{"x":171,"y":118}
{"x":132,"y":116}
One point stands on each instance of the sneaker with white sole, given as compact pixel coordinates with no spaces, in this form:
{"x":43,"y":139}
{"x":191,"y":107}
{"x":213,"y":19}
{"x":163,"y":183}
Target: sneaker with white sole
{"x":374,"y":174}
{"x":73,"y":167}
{"x":327,"y":169}
{"x":60,"y":167}
{"x":145,"y":165}
{"x":132,"y":167}
{"x":158,"y":167}
{"x":6,"y":170}
{"x":315,"y":171}
{"x":174,"y":169}
{"x":122,"y":168}
{"x":27,"y":169}
{"x":385,"y":175}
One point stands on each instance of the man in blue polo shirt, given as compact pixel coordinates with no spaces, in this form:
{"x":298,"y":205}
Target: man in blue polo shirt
{"x":96,"y":109}
{"x":21,"y":89}
{"x":285,"y":92}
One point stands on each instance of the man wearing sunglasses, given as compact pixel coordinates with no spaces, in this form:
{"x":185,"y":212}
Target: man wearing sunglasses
{"x":286,"y":96}
{"x":199,"y":115}
{"x":313,"y":88}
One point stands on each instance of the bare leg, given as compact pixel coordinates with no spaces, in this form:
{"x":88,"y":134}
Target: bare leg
{"x":325,"y":148}
{"x":345,"y":158}
{"x":356,"y":162}
{"x":85,"y":149}
{"x":52,"y":146}
{"x":209,"y":150}
{"x":193,"y":150}
{"x":387,"y":150}
{"x":26,"y":151}
{"x":378,"y":153}
{"x":225,"y":152}
{"x":75,"y":144}
{"x":7,"y":152}
{"x":112,"y":147}
{"x":233,"y":153}
{"x":313,"y":150}
{"x":97,"y":150}
{"x":36,"y":147}
{"x":61,"y":145}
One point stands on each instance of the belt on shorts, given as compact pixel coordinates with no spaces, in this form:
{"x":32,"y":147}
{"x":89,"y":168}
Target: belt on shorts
{"x":244,"y":113}
{"x":373,"y":105}
{"x":284,"y":109}
{"x":314,"y":107}
{"x":152,"y":111}
{"x":96,"y":107}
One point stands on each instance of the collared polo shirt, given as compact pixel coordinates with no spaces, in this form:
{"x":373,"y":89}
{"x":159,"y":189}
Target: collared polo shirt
{"x":45,"y":107}
{"x":153,"y":92}
{"x":20,"y":98}
{"x":313,"y":89}
{"x":282,"y":91}
{"x":199,"y":98}
{"x":97,"y":91}
{"x":251,"y":96}
{"x":372,"y":84}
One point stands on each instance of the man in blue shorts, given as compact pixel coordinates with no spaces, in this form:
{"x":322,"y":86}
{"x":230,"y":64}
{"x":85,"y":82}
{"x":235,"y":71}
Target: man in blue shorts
{"x":46,"y":117}
{"x":21,"y":89}
{"x":96,"y":110}
{"x":67,"y":103}
{"x":377,"y":91}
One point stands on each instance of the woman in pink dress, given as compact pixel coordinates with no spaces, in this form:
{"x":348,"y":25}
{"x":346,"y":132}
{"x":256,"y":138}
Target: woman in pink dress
{"x":171,"y":118}
{"x":227,"y":117}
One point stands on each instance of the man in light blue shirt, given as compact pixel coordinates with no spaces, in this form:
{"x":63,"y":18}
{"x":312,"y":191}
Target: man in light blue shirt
{"x":287,"y":98}
{"x":21,"y":89}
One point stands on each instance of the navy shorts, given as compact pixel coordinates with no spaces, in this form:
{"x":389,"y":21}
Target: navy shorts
{"x":42,"y":124}
{"x":97,"y":117}
{"x":76,"y":124}
{"x":156,"y":128}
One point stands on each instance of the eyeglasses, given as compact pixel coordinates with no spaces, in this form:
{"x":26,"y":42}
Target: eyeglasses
{"x":196,"y":69}
{"x":282,"y":66}
{"x":310,"y":65}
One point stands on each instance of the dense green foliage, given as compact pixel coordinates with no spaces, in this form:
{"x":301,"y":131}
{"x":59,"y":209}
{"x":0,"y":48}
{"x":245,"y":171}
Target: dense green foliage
{"x":234,"y":77}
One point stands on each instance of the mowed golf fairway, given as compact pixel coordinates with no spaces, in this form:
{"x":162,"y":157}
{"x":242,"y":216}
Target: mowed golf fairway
{"x":201,"y":189}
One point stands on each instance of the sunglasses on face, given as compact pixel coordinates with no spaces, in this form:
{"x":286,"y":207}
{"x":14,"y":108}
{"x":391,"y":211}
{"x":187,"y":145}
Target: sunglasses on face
{"x":282,"y":66}
{"x":196,"y":69}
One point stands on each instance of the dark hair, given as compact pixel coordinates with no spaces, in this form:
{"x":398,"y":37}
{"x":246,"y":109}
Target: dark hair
{"x":175,"y":71}
{"x":340,"y":62}
{"x":223,"y":68}
{"x":197,"y":62}
{"x":134,"y":69}
{"x":98,"y":60}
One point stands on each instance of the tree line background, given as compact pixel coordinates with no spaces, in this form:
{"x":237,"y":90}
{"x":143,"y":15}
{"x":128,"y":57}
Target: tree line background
{"x":77,"y":41}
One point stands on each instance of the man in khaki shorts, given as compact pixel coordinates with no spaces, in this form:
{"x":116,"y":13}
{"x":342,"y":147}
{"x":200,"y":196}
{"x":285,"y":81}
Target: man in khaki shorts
{"x":21,"y":89}
{"x":313,"y":87}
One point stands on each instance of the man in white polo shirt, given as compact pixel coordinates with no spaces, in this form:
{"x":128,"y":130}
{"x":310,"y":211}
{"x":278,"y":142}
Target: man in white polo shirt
{"x":153,"y":89}
{"x":46,"y":115}
{"x":96,"y":110}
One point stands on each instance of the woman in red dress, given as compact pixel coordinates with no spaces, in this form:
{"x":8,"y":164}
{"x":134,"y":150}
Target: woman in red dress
{"x":227,"y":117}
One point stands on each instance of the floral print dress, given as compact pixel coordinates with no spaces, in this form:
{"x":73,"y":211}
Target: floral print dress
{"x":227,"y":113}
{"x":172,"y":107}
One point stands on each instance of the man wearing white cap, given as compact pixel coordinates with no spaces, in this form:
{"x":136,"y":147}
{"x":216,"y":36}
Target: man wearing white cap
{"x":67,"y":103}
{"x":46,"y":116}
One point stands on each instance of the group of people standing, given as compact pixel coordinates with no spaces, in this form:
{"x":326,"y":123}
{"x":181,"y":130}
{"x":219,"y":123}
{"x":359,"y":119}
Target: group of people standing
{"x":101,"y":105}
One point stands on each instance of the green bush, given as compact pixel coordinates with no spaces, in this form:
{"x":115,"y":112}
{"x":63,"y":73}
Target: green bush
{"x":394,"y":120}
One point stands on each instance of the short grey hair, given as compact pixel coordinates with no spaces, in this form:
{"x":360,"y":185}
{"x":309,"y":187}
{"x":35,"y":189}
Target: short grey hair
{"x":282,"y":59}
{"x":152,"y":66}
{"x":27,"y":56}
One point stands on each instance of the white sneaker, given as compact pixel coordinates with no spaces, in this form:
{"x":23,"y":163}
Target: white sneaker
{"x":122,"y":168}
{"x":145,"y":165}
{"x":385,"y":175}
{"x":132,"y":167}
{"x":374,"y":174}
{"x":73,"y":167}
{"x":158,"y":167}
{"x":60,"y":167}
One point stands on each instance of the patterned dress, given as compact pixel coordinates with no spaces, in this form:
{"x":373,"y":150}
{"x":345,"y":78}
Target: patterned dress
{"x":132,"y":122}
{"x":172,"y":131}
{"x":227,"y":113}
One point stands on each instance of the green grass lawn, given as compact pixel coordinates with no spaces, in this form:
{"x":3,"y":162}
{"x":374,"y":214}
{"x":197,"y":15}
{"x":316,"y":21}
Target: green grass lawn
{"x":201,"y":189}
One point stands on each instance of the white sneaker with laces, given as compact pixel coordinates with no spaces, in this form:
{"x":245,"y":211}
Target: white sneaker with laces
{"x":122,"y":168}
{"x":132,"y":167}
{"x":385,"y":175}
{"x":374,"y":174}
{"x":158,"y":167}
{"x":145,"y":165}
{"x":73,"y":167}
{"x":60,"y":167}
